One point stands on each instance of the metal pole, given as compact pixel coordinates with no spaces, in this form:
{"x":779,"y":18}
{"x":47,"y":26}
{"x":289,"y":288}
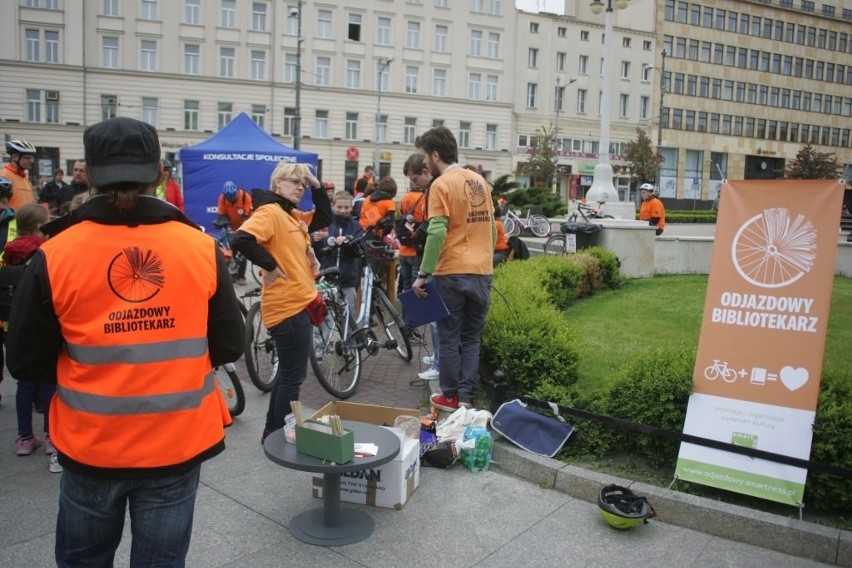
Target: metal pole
{"x":297,"y":121}
{"x":662,"y":95}
{"x":383,"y":65}
{"x":556,"y":138}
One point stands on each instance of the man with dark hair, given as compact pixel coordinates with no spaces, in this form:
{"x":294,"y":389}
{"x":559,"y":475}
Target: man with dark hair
{"x":50,"y":191}
{"x":367,"y":177}
{"x":458,"y":254}
{"x":129,"y":327}
{"x":79,"y":184}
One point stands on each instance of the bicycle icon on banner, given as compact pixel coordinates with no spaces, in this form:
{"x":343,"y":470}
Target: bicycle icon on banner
{"x":720,"y":369}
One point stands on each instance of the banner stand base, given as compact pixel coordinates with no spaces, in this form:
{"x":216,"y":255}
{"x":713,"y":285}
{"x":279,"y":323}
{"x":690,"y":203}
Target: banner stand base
{"x":674,"y":480}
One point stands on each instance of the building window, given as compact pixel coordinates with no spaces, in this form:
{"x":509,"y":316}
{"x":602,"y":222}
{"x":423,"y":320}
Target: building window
{"x":290,"y":68}
{"x":562,"y":32}
{"x":354,"y":32}
{"x":561,"y":59}
{"x":258,"y":16}
{"x":51,"y":47}
{"x":493,"y":45}
{"x":625,"y":69}
{"x":351,"y":126}
{"x":51,"y":107}
{"x":148,"y":56}
{"x":109,"y":107}
{"x":442,"y":3}
{"x":149,"y":9}
{"x":323,"y":71}
{"x":494,"y":7}
{"x":109,"y":52}
{"x":226,"y":61}
{"x":192,"y":12}
{"x":464,"y":134}
{"x":224,"y":111}
{"x":623,"y":105}
{"x":110,"y":7}
{"x":490,"y":136}
{"x":532,"y":92}
{"x":644,"y":107}
{"x":625,"y":42}
{"x":439,"y":83}
{"x":491,"y":88}
{"x":33,"y":105}
{"x":441,"y":34}
{"x":409,"y":132}
{"x":33,"y":41}
{"x":321,"y":124}
{"x":383,"y":31}
{"x":190,"y":115}
{"x":583,"y":65}
{"x":149,"y":111}
{"x":584,"y":35}
{"x":412,"y":74}
{"x":258,"y":65}
{"x":229,"y":14}
{"x":382,"y":128}
{"x":289,"y":121}
{"x":324,"y":24}
{"x":474,"y":86}
{"x":532,"y":58}
{"x":475,"y":48}
{"x":191,"y":54}
{"x":353,"y":74}
{"x":383,"y":77}
{"x":476,"y":6}
{"x":581,"y":101}
{"x":258,"y":115}
{"x":533,"y":27}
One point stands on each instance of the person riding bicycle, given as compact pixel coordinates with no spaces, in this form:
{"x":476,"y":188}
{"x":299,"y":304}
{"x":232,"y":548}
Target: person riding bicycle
{"x":21,"y":158}
{"x":235,"y":206}
{"x":652,"y":209}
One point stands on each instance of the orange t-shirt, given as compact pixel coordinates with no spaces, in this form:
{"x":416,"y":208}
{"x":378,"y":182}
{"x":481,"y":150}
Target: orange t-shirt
{"x":285,"y":236}
{"x":502,"y":241}
{"x":464,"y":197}
{"x":372,"y":212}
{"x":653,"y":208}
{"x":238,"y":211}
{"x":413,"y":203}
{"x":22,"y":189}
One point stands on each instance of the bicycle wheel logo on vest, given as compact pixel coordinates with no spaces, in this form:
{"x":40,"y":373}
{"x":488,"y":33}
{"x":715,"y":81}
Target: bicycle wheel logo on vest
{"x":475,"y":192}
{"x":135,"y":276}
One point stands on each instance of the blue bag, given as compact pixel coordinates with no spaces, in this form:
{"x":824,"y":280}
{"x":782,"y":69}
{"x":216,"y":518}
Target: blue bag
{"x":530,"y":430}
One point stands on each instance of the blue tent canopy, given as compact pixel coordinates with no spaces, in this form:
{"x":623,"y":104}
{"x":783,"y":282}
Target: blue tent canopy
{"x":241,"y":152}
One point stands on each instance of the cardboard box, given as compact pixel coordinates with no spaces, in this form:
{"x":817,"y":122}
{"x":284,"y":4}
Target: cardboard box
{"x":390,"y":485}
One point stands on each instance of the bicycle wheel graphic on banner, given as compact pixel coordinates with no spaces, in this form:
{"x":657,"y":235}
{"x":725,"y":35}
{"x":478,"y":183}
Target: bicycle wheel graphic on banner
{"x":772,"y":251}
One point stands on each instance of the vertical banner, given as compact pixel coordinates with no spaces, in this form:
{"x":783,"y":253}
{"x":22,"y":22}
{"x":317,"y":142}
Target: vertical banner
{"x":759,"y":360}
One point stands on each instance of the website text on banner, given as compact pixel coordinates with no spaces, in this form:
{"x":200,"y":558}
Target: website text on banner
{"x":759,"y":360}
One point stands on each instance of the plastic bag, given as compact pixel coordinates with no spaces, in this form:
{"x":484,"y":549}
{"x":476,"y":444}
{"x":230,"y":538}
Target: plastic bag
{"x":474,"y":448}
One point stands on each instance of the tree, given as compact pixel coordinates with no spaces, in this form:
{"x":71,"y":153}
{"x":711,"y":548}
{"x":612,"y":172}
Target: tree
{"x":810,"y":164}
{"x":542,"y":157}
{"x":644,"y":160}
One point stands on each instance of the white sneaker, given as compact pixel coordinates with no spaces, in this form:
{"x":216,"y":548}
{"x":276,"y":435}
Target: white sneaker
{"x":54,"y":464}
{"x":428,"y":359}
{"x":429,"y":375}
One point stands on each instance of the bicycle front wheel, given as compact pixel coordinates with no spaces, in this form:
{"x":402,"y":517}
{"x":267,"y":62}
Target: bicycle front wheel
{"x":508,"y":226}
{"x":390,"y":324}
{"x":539,"y":225}
{"x":261,"y":356}
{"x":335,"y":359}
{"x":555,"y":245}
{"x":231,"y":388}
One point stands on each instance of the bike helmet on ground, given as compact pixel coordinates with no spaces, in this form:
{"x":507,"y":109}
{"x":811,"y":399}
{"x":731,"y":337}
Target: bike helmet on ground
{"x":5,"y":188}
{"x":19,"y":147}
{"x":622,"y":508}
{"x":229,"y":190}
{"x":647,"y":187}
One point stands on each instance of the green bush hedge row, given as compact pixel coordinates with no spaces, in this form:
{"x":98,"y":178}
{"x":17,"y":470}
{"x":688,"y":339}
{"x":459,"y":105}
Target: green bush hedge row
{"x":530,"y":337}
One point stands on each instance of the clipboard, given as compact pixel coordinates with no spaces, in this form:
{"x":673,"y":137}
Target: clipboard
{"x":420,"y":311}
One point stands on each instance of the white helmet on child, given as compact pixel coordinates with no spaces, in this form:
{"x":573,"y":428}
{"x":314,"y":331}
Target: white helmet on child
{"x":647,"y":187}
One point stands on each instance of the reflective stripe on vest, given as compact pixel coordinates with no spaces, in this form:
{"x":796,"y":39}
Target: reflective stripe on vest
{"x":129,"y":405}
{"x":139,"y":353}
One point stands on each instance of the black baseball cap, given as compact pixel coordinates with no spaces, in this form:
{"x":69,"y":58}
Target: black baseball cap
{"x":121,"y":149}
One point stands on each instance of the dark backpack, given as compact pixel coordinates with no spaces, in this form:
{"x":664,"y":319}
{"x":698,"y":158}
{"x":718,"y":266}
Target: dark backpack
{"x":406,"y":230}
{"x":10,"y":276}
{"x":519,"y":247}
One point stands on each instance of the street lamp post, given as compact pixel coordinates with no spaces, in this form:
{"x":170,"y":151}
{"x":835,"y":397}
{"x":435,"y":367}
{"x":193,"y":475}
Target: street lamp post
{"x":560,"y":98}
{"x":662,"y":96}
{"x":297,"y":120}
{"x":382,"y":66}
{"x":602,"y":189}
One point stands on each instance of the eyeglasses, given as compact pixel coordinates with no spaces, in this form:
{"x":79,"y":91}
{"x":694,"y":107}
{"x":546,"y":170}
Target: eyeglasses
{"x":294,"y":181}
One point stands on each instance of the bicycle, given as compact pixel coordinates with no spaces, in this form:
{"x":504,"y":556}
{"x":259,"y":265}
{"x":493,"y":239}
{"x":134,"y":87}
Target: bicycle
{"x":345,"y":340}
{"x":235,"y":259}
{"x":261,"y":356}
{"x":586,"y":212}
{"x":231,"y":388}
{"x":720,"y":369}
{"x":513,"y":223}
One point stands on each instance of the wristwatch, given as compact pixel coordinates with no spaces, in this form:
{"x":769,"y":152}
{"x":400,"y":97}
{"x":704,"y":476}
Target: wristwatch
{"x":422,"y":275}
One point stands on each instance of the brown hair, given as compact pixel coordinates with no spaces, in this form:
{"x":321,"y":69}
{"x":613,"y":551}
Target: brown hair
{"x":342,"y":196}
{"x":388,"y":185}
{"x":30,"y":218}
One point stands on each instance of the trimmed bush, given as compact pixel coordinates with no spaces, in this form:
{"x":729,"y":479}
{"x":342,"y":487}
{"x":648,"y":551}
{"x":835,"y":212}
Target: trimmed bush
{"x":832,"y":444}
{"x":608,"y":265}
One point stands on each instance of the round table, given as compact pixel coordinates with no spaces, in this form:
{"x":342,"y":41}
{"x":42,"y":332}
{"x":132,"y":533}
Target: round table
{"x":331,"y":525}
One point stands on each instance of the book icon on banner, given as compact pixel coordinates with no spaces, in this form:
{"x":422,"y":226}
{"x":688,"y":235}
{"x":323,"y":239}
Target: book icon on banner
{"x":420,"y":311}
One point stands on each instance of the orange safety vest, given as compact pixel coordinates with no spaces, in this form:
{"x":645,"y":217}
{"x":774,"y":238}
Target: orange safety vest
{"x":134,"y":381}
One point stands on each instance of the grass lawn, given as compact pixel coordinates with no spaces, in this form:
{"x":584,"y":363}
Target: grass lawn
{"x":667,"y":310}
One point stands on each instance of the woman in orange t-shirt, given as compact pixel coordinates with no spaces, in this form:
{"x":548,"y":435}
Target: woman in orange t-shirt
{"x":276,"y":239}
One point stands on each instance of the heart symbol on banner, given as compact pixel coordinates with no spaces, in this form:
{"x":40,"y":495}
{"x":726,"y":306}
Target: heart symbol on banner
{"x":794,"y":379}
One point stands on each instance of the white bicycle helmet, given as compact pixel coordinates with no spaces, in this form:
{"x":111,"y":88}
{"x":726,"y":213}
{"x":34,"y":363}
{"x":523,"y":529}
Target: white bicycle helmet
{"x":647,"y":187}
{"x":19,"y":147}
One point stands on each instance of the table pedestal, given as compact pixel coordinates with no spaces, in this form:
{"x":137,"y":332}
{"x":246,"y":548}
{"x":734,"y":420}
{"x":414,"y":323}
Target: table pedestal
{"x":331,"y":525}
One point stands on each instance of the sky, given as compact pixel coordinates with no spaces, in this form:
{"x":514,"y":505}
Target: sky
{"x":552,"y":6}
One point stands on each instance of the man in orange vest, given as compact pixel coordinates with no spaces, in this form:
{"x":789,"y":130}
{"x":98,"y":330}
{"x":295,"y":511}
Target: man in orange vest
{"x":21,"y":158}
{"x":129,"y":326}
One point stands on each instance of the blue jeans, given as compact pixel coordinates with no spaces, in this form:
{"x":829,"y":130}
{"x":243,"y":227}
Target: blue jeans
{"x":91,"y":519}
{"x":467,"y":297}
{"x":409,"y":266}
{"x":24,"y":398}
{"x":293,"y":338}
